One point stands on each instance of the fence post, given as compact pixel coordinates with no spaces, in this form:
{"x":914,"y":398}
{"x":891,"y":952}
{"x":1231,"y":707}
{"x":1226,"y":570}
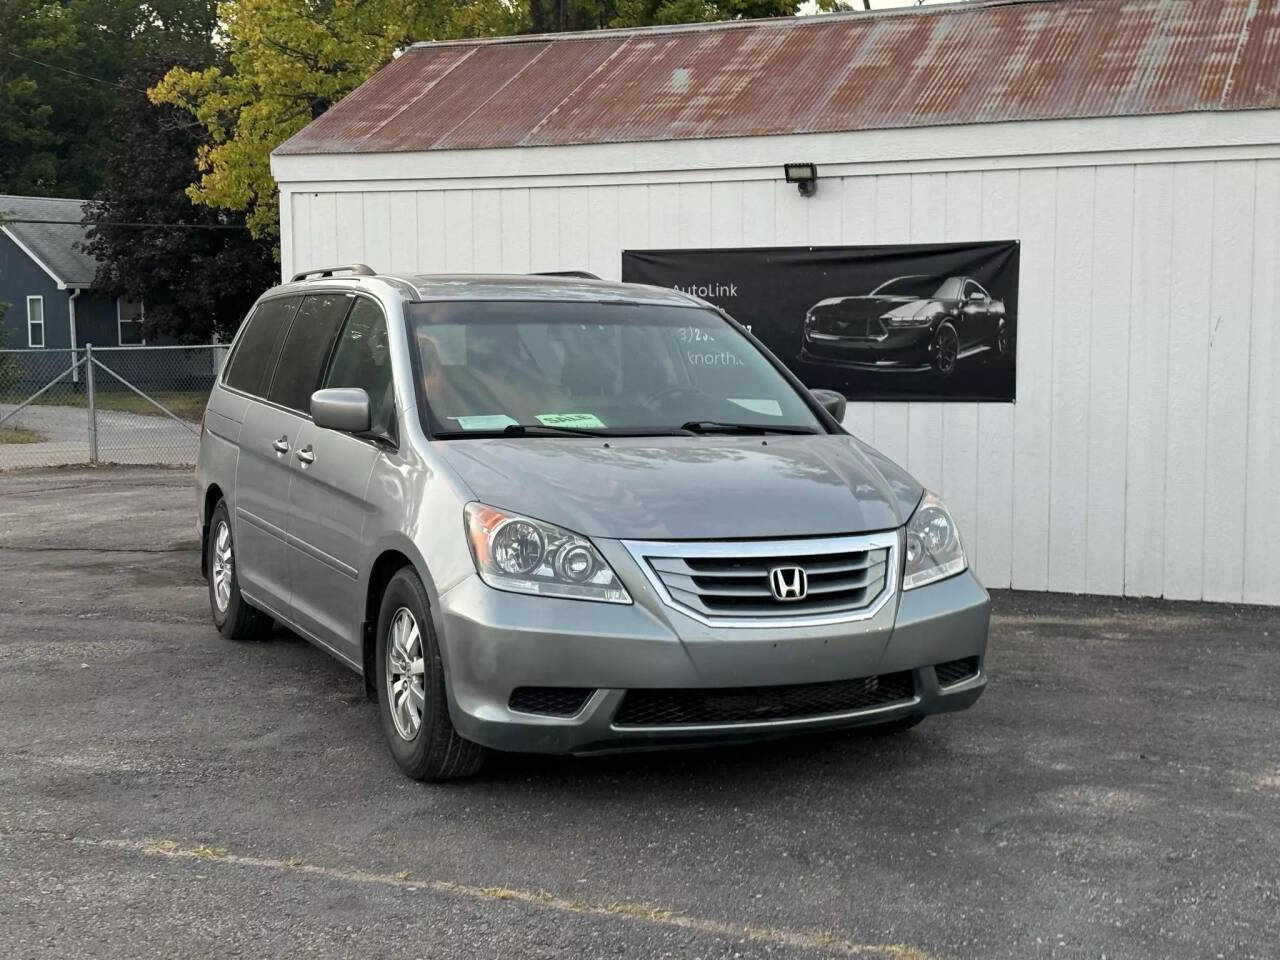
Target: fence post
{"x":93,"y":410}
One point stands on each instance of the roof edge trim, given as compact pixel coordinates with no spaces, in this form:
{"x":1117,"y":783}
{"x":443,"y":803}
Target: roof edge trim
{"x":62,"y":283}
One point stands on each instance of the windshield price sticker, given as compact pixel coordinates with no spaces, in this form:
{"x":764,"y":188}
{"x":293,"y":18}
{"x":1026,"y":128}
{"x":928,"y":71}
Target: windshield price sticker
{"x":586,"y":420}
{"x":490,"y":421}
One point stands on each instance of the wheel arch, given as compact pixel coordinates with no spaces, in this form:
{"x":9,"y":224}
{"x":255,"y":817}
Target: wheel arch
{"x":947,"y":323}
{"x":212,"y":494}
{"x":389,"y":559}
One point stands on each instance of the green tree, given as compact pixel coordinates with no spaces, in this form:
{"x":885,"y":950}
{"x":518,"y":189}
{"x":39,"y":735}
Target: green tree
{"x":547,"y":16}
{"x":288,"y":61}
{"x":62,"y":63}
{"x":195,"y":277}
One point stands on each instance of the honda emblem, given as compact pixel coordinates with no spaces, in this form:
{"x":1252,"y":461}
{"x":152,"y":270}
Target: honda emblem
{"x":788,"y":583}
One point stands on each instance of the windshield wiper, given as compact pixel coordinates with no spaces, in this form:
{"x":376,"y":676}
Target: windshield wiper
{"x":523,"y":430}
{"x":719,"y":426}
{"x":541,"y":429}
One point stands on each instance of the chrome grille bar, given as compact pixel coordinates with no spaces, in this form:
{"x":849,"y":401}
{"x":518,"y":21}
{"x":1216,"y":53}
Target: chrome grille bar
{"x":727,"y":583}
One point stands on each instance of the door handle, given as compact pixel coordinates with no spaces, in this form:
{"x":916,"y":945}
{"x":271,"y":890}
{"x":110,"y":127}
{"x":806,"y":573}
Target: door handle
{"x":305,"y":454}
{"x":281,"y":445}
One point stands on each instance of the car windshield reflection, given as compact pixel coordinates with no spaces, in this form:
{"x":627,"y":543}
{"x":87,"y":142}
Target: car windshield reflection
{"x":560,"y":368}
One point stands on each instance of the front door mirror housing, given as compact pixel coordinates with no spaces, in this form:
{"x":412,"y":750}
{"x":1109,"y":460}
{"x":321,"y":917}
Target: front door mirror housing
{"x":341,"y":408}
{"x":832,"y":402}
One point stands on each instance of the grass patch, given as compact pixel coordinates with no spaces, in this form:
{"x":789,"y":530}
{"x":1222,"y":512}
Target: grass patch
{"x":20,"y":435}
{"x":187,"y":404}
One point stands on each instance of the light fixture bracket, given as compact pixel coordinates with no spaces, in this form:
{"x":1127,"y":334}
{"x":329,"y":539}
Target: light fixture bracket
{"x":803,"y":175}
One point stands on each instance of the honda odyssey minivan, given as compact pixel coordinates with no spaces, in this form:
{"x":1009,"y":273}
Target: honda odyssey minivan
{"x":563,"y":515}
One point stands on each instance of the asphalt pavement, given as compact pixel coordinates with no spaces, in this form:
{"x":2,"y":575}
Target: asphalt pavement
{"x":167,"y":793}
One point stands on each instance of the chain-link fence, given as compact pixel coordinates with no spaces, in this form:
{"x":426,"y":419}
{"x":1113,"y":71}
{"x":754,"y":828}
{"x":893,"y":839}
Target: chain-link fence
{"x":104,"y":404}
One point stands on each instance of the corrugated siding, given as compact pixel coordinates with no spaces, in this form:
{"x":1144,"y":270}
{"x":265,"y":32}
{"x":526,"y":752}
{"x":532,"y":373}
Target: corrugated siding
{"x":1037,"y":59}
{"x":1143,"y":454}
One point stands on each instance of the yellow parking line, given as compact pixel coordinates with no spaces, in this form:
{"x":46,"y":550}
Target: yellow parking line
{"x":821,"y":941}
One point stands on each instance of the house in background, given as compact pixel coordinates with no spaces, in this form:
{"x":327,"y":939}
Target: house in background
{"x":47,"y":281}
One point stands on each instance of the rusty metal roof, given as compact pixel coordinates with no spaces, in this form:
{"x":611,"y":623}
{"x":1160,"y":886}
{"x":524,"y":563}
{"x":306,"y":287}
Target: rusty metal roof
{"x":971,"y":62}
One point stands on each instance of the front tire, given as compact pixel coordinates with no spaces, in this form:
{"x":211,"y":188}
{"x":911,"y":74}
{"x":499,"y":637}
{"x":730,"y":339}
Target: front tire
{"x":946,"y":350}
{"x":232,"y":614}
{"x":412,"y":704}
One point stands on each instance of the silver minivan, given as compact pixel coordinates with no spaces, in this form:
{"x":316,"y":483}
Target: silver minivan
{"x":556,"y":514}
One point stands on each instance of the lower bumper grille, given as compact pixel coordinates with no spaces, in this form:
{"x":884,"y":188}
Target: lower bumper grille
{"x":550,"y":701}
{"x":953,"y":671}
{"x":673,"y":708}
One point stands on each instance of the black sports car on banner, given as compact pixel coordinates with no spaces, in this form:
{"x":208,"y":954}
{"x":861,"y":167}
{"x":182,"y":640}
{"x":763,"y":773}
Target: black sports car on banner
{"x":910,"y":323}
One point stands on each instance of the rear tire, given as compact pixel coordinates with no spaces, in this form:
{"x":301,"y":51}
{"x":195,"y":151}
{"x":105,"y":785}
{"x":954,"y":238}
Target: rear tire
{"x":1003,"y":347}
{"x":232,"y":614}
{"x":412,"y":703}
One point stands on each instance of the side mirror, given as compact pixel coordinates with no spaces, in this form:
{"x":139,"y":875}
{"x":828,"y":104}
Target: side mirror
{"x":832,"y":402}
{"x":341,"y":408}
{"x":976,"y":297}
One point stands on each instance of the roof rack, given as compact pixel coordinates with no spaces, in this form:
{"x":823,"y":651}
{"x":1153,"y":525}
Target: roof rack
{"x":356,"y":269}
{"x":580,"y":274}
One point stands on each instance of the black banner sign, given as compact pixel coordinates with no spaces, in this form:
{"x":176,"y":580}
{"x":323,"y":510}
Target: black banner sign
{"x":917,"y":321}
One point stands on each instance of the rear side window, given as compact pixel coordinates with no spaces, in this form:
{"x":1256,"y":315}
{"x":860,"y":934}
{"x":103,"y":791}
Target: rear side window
{"x":249,"y":368}
{"x":306,"y":349}
{"x":362,"y":359}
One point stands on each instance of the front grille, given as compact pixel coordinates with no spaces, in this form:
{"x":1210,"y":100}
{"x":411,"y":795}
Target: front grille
{"x":738,"y":585}
{"x":674,"y":708}
{"x":953,"y":671}
{"x":866,"y":329}
{"x":550,"y":701}
{"x":844,"y":323}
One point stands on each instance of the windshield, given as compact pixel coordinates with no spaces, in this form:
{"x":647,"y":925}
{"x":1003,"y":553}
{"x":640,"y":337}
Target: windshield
{"x":493,"y":366}
{"x":919,"y":287}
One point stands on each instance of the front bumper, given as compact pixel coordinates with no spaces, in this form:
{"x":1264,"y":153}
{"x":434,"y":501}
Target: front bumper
{"x":494,"y":642}
{"x":906,"y":349}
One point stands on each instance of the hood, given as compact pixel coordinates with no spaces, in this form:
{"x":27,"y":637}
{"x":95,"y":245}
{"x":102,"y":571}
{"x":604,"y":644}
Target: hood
{"x":689,"y":488}
{"x":859,"y":306}
{"x":837,"y":314}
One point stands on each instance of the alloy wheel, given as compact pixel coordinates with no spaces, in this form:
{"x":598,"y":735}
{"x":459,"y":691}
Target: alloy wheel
{"x":947,"y":347}
{"x":224,"y":565}
{"x":406,"y":674}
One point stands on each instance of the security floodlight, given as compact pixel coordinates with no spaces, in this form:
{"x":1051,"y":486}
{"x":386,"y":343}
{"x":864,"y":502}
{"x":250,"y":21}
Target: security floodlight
{"x":803,"y":175}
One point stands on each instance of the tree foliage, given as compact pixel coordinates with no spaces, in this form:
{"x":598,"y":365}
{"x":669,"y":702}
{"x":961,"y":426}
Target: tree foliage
{"x":289,"y":60}
{"x":547,"y":16}
{"x":55,"y":125}
{"x":194,"y":282}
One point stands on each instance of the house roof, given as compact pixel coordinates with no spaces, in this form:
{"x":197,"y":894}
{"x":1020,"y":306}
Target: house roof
{"x":982,"y":61}
{"x":54,"y":246}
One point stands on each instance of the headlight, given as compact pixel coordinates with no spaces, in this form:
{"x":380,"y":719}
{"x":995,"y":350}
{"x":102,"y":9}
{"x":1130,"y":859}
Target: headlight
{"x":919,"y":320}
{"x":933,"y":545}
{"x":524,"y":555}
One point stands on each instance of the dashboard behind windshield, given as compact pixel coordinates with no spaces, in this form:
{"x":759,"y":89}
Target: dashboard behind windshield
{"x":487,"y":366}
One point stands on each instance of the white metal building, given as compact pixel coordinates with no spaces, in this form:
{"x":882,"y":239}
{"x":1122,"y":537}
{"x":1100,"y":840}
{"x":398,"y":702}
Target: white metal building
{"x":1132,"y":146}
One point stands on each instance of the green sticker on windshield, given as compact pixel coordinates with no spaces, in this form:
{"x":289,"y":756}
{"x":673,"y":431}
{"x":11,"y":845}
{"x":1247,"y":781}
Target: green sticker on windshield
{"x":488,"y":421}
{"x":586,"y":421}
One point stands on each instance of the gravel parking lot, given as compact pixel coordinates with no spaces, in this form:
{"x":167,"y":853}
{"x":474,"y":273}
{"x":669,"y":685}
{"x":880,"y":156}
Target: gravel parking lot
{"x":166,"y":793}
